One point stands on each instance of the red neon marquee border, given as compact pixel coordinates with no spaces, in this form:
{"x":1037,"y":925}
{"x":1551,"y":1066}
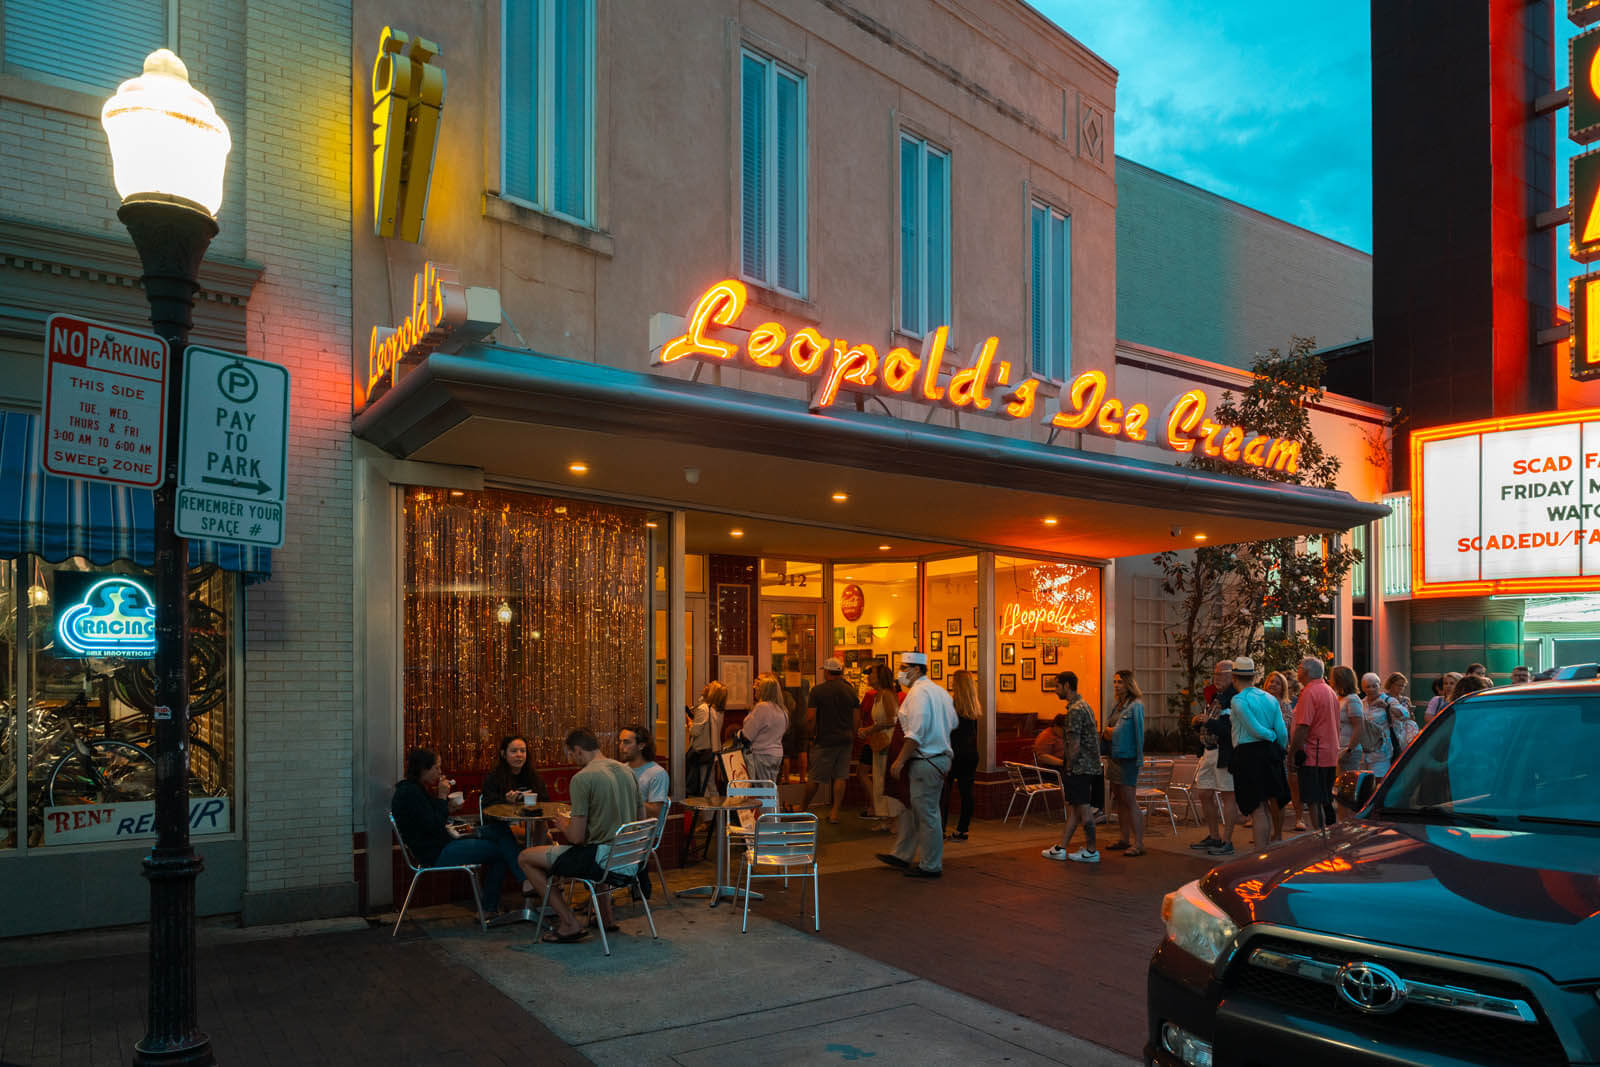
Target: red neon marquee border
{"x":1422,"y":589}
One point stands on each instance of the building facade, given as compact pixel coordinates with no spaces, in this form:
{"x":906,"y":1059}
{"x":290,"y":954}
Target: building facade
{"x":271,"y":744}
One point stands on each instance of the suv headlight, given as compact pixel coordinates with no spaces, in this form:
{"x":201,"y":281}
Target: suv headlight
{"x":1195,"y":924}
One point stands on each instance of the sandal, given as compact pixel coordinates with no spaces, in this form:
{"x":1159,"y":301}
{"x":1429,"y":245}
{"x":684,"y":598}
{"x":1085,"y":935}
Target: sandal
{"x":1118,"y":846}
{"x":553,"y":938}
{"x":611,"y":928}
{"x":957,"y":835}
{"x":1130,"y":853}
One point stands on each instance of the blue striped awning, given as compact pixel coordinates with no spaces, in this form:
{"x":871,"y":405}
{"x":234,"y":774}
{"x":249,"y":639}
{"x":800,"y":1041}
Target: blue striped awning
{"x":58,"y":518}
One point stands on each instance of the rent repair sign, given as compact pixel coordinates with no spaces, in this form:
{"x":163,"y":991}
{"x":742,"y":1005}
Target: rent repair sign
{"x":81,"y":824}
{"x":1507,"y":505}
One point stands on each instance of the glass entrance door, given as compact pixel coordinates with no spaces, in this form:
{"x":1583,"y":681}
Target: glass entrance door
{"x":791,"y":631}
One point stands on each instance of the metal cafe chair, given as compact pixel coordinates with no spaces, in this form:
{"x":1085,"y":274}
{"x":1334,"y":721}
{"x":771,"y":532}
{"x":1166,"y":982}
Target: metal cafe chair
{"x":762,"y":789}
{"x":655,"y":850}
{"x":789,"y":843}
{"x":630,"y":852}
{"x":1182,"y":784}
{"x":418,"y":870}
{"x":1155,"y":777}
{"x":1030,"y":780}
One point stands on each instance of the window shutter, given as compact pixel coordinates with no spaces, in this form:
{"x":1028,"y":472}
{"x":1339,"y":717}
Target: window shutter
{"x":910,"y":246}
{"x":569,"y":164}
{"x":1063,"y":294}
{"x":753,"y":143}
{"x":790,"y":165}
{"x":91,"y":41}
{"x":519,"y":124}
{"x":1040,"y":220}
{"x":936,"y":282}
{"x":1057,"y":306}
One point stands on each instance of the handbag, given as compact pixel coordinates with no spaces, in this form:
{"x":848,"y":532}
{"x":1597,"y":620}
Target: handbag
{"x":878,"y":739}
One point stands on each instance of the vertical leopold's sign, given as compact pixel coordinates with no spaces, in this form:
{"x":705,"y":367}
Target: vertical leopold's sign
{"x":407,"y":98}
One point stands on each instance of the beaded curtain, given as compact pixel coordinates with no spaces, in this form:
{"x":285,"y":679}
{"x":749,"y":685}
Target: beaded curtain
{"x":523,"y":614}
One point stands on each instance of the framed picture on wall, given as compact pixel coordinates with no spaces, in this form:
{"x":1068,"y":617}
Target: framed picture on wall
{"x":936,"y":669}
{"x":838,"y":636}
{"x":955,"y":655}
{"x":1008,"y":683}
{"x":1047,"y":683}
{"x":864,"y":634}
{"x":1030,"y":667}
{"x":1008,"y":654}
{"x":737,"y":673}
{"x":972,"y":652}
{"x":1047,"y":655}
{"x":935,"y":641}
{"x":952,"y":627}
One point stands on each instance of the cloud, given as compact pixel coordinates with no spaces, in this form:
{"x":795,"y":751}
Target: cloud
{"x":1262,"y":102}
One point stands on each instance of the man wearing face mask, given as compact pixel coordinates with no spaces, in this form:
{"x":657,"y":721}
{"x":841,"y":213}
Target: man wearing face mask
{"x":926,"y":718}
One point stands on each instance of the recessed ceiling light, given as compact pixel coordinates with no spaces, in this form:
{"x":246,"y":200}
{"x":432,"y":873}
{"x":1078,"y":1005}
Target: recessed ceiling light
{"x":849,"y":577}
{"x":736,"y":532}
{"x":1050,"y":520}
{"x":649,"y":526}
{"x":578,"y":468}
{"x":1199,"y":537}
{"x":884,"y":548}
{"x":458,"y":492}
{"x":840,"y":498}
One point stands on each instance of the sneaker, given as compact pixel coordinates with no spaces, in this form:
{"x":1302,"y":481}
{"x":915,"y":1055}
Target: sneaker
{"x":892,"y":860}
{"x":1055,"y":852}
{"x":1084,"y":855}
{"x":1207,"y":842}
{"x":1224,"y":848}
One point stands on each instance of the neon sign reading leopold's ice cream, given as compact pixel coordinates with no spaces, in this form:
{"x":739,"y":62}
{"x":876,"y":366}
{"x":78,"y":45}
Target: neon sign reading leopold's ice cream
{"x":985,"y":384}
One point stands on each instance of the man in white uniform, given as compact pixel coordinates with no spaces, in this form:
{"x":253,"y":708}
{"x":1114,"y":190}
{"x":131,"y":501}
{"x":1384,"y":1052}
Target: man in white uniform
{"x":926,"y":718}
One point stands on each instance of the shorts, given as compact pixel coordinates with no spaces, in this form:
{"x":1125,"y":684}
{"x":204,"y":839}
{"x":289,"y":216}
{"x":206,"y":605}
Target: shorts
{"x":1123,"y":771}
{"x":1210,"y":776}
{"x":1080,"y":788}
{"x":1257,"y":776}
{"x":577,"y":861}
{"x":829,"y":762}
{"x":794,"y":740}
{"x":1316,"y":785}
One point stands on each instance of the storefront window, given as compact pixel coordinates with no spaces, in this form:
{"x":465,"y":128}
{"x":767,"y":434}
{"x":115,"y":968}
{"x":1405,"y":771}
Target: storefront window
{"x":952,"y":597}
{"x":10,"y":721}
{"x":524,"y":614}
{"x":90,"y":716}
{"x":875,"y":614}
{"x":1047,"y":620}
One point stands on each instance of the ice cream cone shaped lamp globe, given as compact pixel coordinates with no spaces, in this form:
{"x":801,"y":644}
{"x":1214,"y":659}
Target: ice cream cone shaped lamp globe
{"x":168,"y":151}
{"x":167,"y":142}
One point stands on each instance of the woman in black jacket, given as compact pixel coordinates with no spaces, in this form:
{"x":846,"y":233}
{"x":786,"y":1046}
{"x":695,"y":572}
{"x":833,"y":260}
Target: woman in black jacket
{"x":420,"y":806}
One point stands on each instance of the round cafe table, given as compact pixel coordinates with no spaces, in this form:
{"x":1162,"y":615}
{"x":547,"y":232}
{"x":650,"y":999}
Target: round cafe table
{"x":719,"y":809}
{"x":529,"y":818}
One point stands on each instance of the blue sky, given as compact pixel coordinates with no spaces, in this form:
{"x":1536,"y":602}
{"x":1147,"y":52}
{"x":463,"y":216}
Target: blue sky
{"x":1264,"y":102}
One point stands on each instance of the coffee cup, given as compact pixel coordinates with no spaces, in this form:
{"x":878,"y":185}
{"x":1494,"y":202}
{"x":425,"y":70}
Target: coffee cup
{"x":530,"y":800}
{"x":456,"y":800}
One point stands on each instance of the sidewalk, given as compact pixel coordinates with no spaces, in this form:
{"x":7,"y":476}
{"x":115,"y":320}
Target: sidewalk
{"x":1008,"y":958}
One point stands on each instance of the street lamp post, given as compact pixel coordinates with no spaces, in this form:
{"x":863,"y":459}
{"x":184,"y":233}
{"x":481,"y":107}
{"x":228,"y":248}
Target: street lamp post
{"x":168,"y":150}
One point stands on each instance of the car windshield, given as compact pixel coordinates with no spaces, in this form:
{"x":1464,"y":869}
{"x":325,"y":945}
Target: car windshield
{"x":1516,"y":760}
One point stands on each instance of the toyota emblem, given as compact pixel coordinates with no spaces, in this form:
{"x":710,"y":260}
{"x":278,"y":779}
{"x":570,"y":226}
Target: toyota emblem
{"x":1370,"y":987}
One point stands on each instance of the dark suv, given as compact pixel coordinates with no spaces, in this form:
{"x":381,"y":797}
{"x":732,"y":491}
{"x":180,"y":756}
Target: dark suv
{"x":1455,"y":920}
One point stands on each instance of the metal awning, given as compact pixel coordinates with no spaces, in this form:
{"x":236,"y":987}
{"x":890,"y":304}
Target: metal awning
{"x":526,"y":417}
{"x":59,"y":518}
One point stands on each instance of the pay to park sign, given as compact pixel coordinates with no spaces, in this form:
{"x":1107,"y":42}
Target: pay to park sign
{"x":105,"y":402}
{"x":233,"y":456}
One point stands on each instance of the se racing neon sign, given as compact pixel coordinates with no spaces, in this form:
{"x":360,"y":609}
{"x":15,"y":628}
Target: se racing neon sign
{"x":113,"y":615}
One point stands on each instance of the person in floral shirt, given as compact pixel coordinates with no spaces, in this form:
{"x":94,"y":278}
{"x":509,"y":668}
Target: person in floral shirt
{"x":1081,"y":767}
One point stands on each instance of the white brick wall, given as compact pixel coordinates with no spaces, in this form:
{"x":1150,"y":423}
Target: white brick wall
{"x":279,"y":72}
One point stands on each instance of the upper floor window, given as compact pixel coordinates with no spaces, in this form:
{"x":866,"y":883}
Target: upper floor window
{"x":924,"y":235}
{"x":548,"y":122}
{"x":772,"y":123}
{"x":90,"y":42}
{"x":1052,"y":292}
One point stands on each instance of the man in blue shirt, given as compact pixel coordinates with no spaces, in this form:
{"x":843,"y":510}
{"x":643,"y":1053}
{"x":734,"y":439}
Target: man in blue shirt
{"x":1260,"y":740}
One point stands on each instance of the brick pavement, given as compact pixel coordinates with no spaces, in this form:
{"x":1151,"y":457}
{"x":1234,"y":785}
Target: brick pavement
{"x":1066,"y":945}
{"x":347,"y":998}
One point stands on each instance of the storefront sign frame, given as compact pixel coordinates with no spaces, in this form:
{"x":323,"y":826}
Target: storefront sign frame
{"x":84,"y":824}
{"x":1529,"y":470}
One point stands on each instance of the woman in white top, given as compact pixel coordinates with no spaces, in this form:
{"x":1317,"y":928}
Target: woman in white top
{"x":1447,"y":690}
{"x":1401,"y":719}
{"x":1376,"y":704}
{"x":764,"y":727}
{"x":1351,"y":718}
{"x":705,"y":738}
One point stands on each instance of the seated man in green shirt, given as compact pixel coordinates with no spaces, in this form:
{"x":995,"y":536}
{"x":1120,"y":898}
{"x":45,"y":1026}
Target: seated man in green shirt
{"x":604,"y":797}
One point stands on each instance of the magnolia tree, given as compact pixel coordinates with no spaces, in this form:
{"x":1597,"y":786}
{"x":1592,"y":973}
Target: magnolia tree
{"x":1245,"y":599}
